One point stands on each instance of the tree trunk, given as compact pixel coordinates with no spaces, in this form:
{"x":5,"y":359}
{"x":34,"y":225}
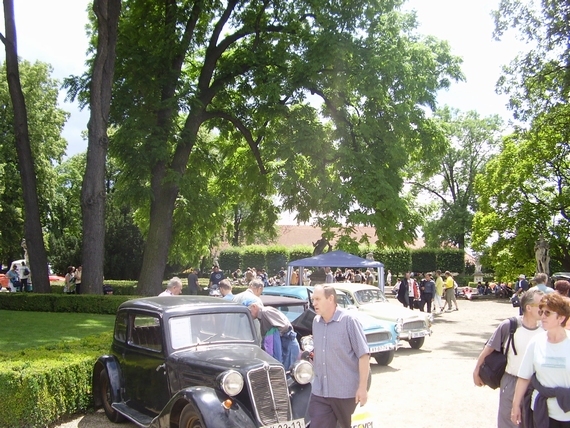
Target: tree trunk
{"x":159,"y":234}
{"x":32,"y":225}
{"x":164,"y":194}
{"x":93,"y":189}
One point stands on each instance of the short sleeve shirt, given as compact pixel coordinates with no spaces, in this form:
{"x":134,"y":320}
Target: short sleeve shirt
{"x":439,"y":285}
{"x":216,"y":277}
{"x":551,"y":363}
{"x":522,"y":337}
{"x":339,"y":344}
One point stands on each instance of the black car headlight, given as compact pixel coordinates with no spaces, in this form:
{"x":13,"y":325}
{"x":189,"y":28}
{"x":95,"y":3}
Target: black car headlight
{"x":231,"y":382}
{"x":302,"y":372}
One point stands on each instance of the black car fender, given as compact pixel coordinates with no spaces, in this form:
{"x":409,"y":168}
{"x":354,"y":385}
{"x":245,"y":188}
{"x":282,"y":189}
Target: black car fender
{"x":300,"y":396}
{"x":208,"y":403}
{"x":109,"y":363}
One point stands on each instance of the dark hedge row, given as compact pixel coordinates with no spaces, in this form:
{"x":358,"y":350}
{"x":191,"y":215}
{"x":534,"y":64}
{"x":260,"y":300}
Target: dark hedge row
{"x":398,"y":261}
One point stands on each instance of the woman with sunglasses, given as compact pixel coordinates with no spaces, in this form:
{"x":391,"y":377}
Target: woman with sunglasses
{"x":546,"y":369}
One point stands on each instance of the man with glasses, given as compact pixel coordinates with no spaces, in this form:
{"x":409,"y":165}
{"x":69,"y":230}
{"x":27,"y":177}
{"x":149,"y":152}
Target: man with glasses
{"x":527,"y":329}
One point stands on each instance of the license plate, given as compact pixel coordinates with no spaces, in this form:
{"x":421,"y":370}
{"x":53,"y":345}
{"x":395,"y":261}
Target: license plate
{"x":297,"y":423}
{"x":374,"y":349}
{"x":418,"y":334}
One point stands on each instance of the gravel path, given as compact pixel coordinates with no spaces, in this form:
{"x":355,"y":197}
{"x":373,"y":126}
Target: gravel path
{"x":427,"y":388}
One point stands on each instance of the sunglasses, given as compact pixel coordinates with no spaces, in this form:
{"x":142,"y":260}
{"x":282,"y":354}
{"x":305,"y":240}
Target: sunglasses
{"x":545,"y":312}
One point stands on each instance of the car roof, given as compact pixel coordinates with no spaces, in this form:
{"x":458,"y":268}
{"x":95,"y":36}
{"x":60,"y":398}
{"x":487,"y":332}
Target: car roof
{"x":354,"y":286}
{"x":271,"y":300}
{"x":565,"y":275}
{"x":299,"y":291}
{"x":181,"y":304}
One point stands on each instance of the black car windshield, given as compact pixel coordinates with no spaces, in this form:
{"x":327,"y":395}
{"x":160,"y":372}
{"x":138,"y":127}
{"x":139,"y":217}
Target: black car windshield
{"x":196,"y":329}
{"x":369,"y":296}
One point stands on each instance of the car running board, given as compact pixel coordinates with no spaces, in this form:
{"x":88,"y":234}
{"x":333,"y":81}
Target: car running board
{"x":132,"y":414}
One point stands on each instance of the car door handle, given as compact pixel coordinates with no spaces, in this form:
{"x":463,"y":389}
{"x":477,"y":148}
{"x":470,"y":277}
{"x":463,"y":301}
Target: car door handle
{"x":161,"y":367}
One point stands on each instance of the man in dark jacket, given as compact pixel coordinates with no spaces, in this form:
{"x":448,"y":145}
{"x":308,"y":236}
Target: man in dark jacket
{"x":427,"y":291}
{"x":403,"y":291}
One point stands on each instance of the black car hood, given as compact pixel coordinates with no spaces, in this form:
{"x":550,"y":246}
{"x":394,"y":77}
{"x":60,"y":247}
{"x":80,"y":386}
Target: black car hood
{"x":203,"y":364}
{"x":223,"y":356}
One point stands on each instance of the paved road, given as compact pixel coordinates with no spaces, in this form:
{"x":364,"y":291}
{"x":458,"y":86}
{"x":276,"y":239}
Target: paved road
{"x":427,"y":388}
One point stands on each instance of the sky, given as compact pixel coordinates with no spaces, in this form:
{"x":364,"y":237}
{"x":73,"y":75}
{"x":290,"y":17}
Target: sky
{"x":54,"y":32}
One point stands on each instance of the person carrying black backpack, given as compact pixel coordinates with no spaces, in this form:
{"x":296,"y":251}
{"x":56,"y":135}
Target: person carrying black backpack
{"x":526,"y":327}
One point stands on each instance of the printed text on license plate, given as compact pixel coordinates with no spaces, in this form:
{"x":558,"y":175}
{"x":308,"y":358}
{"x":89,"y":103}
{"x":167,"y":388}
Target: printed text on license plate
{"x":297,"y":423}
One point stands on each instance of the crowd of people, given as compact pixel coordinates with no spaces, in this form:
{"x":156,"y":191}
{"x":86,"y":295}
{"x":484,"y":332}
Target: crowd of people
{"x":535,"y":388}
{"x":427,"y":292}
{"x":18,"y":277}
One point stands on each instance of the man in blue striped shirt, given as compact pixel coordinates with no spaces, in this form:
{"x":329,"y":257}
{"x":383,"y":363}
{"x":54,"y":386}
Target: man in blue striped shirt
{"x":341,"y":362}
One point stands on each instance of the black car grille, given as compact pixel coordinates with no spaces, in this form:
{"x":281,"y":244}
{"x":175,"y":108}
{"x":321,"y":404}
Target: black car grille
{"x":414,"y":325}
{"x":378,"y":337}
{"x":269,"y":394}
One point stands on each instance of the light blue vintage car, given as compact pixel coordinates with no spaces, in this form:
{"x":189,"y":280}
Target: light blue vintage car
{"x":380,"y":335}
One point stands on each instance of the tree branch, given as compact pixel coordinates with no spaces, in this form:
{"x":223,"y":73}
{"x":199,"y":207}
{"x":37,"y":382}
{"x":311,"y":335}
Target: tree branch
{"x":253,"y":144}
{"x":336,"y":114}
{"x":434,"y":192}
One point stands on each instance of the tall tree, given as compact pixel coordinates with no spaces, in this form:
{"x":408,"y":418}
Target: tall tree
{"x":523,"y":192}
{"x":32,"y":225}
{"x":45,"y":121}
{"x":93,"y":188}
{"x":470,"y":140}
{"x":246,"y":70}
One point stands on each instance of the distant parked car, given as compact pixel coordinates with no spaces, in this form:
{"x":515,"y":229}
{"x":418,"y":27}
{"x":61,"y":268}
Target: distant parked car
{"x":194,"y":362}
{"x":380,"y":335}
{"x":413,"y":326}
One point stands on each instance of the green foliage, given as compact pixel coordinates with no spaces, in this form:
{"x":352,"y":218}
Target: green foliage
{"x":61,"y":303}
{"x":524,"y":192}
{"x":123,"y":242}
{"x":253,"y":256}
{"x":397,"y":260}
{"x":451,"y":260}
{"x":45,"y":123}
{"x":39,"y":386}
{"x":230,"y":259}
{"x":215,"y":124}
{"x":277,"y":257}
{"x":469,"y":142}
{"x":297,"y":252}
{"x":424,"y":259}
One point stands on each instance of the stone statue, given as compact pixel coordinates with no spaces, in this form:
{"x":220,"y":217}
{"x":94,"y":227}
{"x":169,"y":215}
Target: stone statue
{"x":541,"y":253}
{"x":320,"y":245}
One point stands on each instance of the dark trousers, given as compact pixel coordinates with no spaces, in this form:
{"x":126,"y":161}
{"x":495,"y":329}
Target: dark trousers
{"x":326,"y":412}
{"x":553,"y":423}
{"x":427,"y":299}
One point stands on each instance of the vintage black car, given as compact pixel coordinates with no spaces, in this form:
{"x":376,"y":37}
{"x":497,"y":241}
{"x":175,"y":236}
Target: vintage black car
{"x":192,"y":361}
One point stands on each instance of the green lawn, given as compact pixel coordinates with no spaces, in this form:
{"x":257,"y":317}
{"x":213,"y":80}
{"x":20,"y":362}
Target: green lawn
{"x":20,"y":330}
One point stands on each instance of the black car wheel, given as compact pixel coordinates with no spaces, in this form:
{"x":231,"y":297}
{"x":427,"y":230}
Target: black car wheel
{"x":107,"y":398}
{"x":417,"y":343}
{"x":384,"y":358}
{"x":190,"y":418}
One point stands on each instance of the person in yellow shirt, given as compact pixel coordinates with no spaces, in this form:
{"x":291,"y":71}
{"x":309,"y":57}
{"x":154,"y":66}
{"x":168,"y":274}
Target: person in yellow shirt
{"x":449,"y":288}
{"x":438,"y":291}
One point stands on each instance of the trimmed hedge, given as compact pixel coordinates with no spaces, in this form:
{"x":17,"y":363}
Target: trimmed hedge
{"x":277,"y":257}
{"x":40,"y":385}
{"x":424,"y":260}
{"x":83,"y":303}
{"x":230,"y":259}
{"x":253,"y":256}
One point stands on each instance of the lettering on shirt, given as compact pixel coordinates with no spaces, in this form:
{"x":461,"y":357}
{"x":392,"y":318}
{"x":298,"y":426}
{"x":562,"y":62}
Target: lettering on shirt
{"x":554,"y":362}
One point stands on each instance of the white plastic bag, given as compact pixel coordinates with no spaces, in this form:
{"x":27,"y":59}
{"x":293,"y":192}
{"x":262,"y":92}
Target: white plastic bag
{"x":363,"y":418}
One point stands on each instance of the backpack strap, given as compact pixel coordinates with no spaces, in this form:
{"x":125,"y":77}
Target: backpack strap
{"x":513,"y":325}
